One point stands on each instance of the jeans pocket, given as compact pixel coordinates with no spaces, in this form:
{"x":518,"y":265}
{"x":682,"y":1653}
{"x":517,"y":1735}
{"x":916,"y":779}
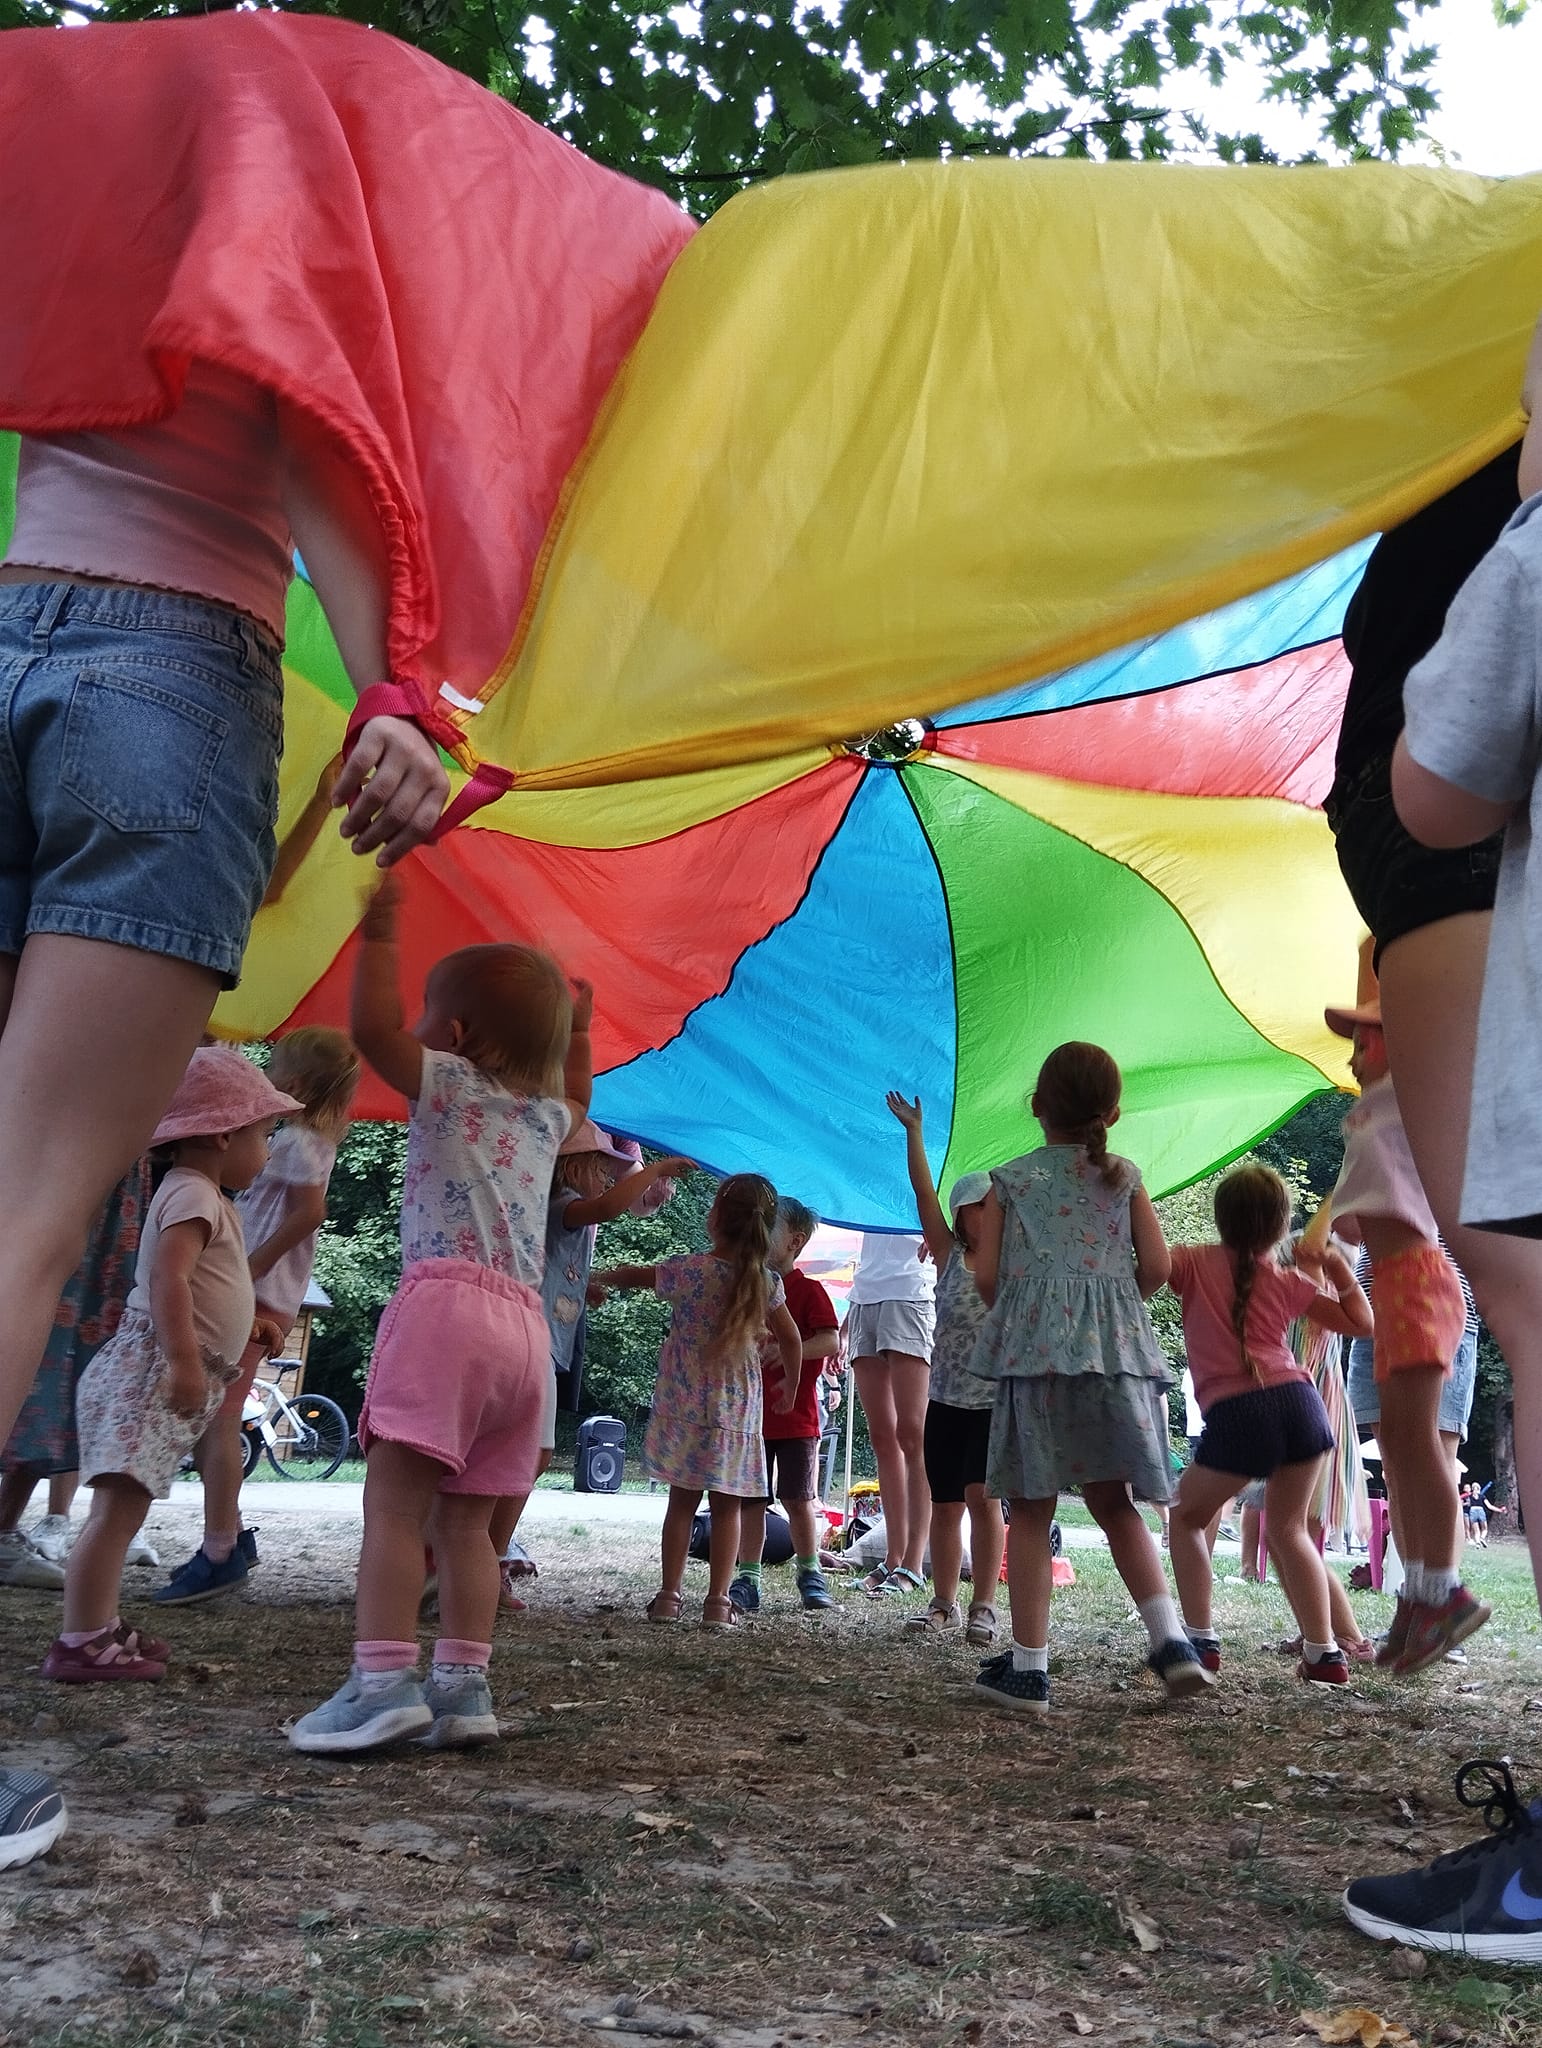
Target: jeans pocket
{"x":137,"y":751}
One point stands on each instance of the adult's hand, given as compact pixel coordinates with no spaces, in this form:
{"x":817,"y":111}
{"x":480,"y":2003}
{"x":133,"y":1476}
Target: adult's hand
{"x":392,"y":790}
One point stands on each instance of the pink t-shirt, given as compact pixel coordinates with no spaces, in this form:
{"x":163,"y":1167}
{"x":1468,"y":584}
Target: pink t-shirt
{"x":1205,"y":1281}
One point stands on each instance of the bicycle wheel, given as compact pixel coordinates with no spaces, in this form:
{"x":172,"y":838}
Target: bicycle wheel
{"x":312,"y":1439}
{"x":251,"y":1451}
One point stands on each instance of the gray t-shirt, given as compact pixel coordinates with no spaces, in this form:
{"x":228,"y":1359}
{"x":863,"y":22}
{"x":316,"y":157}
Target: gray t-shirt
{"x":1474,"y":717}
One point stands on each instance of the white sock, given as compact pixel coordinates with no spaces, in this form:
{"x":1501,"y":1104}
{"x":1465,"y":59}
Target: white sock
{"x":1024,"y":1659}
{"x":1413,"y":1581}
{"x":1439,"y":1584}
{"x":1315,"y":1652}
{"x":1163,"y":1622}
{"x":1203,"y":1637}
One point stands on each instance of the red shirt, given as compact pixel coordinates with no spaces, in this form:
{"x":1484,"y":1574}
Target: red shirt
{"x":812,"y":1310}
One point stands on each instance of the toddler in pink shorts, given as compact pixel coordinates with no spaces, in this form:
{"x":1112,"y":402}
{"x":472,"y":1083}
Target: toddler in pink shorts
{"x":497,"y":1072}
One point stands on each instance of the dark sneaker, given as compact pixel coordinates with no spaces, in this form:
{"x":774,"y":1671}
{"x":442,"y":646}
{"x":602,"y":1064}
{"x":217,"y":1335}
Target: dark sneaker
{"x":1393,"y":1643}
{"x":202,"y":1579}
{"x":1019,"y":1692}
{"x":246,"y":1543}
{"x":32,"y":1817}
{"x":744,"y":1595}
{"x":1333,"y":1669}
{"x":1484,"y":1901}
{"x":813,"y":1591}
{"x":1434,"y":1630}
{"x":105,"y":1657}
{"x":1180,"y":1668}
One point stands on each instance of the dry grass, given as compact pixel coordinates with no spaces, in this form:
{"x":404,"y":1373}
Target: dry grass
{"x":799,"y":1834}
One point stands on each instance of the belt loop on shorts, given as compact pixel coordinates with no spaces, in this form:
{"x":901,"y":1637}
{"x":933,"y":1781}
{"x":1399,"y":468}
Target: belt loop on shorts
{"x":251,"y":648}
{"x":54,"y":607}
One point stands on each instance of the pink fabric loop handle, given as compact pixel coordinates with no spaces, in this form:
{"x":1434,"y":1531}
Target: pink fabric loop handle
{"x":487,"y":784}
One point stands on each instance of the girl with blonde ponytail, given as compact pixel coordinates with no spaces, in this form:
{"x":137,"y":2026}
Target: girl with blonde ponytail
{"x":705,"y":1434}
{"x":1264,"y":1418}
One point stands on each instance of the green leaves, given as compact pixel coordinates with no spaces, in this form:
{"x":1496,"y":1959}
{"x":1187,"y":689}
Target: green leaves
{"x":703,"y":102}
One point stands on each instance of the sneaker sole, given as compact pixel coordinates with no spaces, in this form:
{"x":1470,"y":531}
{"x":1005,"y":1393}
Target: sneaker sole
{"x":108,"y":1674}
{"x":34,"y":1585}
{"x":16,"y":1850}
{"x":1188,"y":1683}
{"x":394,"y":1726}
{"x":1488,"y":1948}
{"x":166,"y":1598}
{"x":460,"y":1731}
{"x":1003,"y":1702}
{"x":1403,"y":1668}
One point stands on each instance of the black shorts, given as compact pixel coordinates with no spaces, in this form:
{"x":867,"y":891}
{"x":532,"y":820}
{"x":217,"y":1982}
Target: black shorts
{"x":792,"y":1469}
{"x":954,"y":1445}
{"x":1398,"y":885}
{"x":1253,"y":1435}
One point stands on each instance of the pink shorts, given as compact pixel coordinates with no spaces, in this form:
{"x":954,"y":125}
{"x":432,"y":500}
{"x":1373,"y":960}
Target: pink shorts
{"x":459,"y":1372}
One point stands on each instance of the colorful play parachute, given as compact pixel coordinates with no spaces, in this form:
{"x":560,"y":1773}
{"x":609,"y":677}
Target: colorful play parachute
{"x":1076,"y":462}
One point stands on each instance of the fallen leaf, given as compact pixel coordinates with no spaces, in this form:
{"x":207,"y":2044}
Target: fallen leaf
{"x":1481,"y":1993}
{"x":637,"y":1791}
{"x":659,"y":1823}
{"x":1142,"y":1929}
{"x":1355,"y":2023}
{"x":1078,"y":2022}
{"x":141,"y":1969}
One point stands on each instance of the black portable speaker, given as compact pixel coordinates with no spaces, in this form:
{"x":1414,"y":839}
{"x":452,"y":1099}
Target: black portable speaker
{"x":601,"y":1457}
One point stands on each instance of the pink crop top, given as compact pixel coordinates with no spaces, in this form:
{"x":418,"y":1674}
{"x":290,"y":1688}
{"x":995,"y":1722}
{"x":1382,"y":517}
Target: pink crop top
{"x":191,"y":503}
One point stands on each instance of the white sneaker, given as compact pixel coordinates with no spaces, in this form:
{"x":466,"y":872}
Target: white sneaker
{"x":22,"y":1565}
{"x":140,"y":1552}
{"x":51,"y":1537}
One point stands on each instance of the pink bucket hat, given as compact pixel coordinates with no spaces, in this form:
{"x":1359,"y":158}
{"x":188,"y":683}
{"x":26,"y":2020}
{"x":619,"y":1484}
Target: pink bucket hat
{"x":588,"y":1137}
{"x":221,"y":1091}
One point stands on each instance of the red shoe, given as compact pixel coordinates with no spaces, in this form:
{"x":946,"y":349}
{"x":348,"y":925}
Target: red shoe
{"x":1330,"y":1670}
{"x":104,"y":1657}
{"x":1393,"y":1643}
{"x":151,"y":1647}
{"x":1209,"y":1656}
{"x":1434,"y":1630}
{"x":1363,"y":1652}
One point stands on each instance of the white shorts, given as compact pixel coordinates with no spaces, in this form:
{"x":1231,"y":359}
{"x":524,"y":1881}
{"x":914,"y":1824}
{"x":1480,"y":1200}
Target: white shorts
{"x":549,"y":1414}
{"x":873,"y":1327}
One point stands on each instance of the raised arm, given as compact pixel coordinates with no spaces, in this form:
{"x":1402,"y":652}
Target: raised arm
{"x":377,"y":1023}
{"x":578,"y":1077}
{"x":934,"y":1223}
{"x":621,"y":1194}
{"x":1153,"y":1261}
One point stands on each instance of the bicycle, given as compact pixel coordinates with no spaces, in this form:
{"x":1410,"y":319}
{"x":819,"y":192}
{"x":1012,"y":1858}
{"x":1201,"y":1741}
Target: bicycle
{"x":304,"y":1438}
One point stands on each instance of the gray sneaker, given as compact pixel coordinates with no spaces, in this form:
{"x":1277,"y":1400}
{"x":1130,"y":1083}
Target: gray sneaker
{"x":463,"y":1714}
{"x":51,"y":1536}
{"x":32,"y":1817}
{"x":21,"y":1564}
{"x":354,"y":1719}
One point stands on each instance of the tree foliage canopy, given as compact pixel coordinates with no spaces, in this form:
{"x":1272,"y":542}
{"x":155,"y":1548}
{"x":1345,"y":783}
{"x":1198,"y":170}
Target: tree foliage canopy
{"x":703,"y":99}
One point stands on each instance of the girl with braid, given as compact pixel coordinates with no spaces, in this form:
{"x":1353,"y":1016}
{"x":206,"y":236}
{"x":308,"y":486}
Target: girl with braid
{"x":1068,"y":1249}
{"x":1264,"y":1418}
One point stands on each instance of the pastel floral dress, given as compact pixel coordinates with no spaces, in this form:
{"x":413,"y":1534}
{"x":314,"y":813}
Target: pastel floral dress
{"x":705,"y":1428}
{"x":1081,"y":1382}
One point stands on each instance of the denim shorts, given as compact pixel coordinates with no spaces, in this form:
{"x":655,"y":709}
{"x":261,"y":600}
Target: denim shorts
{"x":1455,"y":1396}
{"x":140,"y":735}
{"x":1399,"y":886}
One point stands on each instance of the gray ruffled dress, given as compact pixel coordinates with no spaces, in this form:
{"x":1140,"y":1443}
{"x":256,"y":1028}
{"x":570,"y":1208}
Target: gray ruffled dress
{"x":1081,"y":1382}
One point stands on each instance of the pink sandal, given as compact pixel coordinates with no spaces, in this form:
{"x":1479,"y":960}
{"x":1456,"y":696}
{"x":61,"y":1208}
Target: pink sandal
{"x":106,"y":1656}
{"x":665,"y":1606}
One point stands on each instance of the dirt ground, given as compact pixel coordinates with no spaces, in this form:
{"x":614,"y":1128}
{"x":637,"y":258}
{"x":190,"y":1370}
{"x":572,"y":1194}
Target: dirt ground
{"x":799,"y":1834}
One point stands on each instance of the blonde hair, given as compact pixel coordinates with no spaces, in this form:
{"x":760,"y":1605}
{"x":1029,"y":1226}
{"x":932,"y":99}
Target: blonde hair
{"x":1078,"y":1092}
{"x":1252,"y":1214}
{"x":587,"y":1174}
{"x":321,"y":1070}
{"x":515,"y":1013}
{"x":745,"y":1217}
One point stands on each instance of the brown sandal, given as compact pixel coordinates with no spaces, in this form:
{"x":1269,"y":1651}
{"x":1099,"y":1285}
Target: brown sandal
{"x":665,"y":1606}
{"x":718,"y":1611}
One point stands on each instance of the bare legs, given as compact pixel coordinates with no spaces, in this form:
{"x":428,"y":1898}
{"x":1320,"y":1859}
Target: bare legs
{"x":93,"y":1582}
{"x":401,"y":1493}
{"x":1306,"y":1579}
{"x":1138,"y":1561}
{"x":1201,"y":1496}
{"x":893,"y":1392}
{"x":987,"y":1540}
{"x":1431,"y":981}
{"x":77,"y":1106}
{"x":752,"y":1529}
{"x":724,"y":1552}
{"x":1030,"y":1571}
{"x":219,"y":1459}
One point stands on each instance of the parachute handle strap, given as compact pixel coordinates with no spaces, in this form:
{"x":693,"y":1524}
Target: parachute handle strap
{"x":410,"y":700}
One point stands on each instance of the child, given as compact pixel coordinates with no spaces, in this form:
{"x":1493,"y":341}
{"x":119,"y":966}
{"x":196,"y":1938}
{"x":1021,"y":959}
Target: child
{"x":890,"y":1323}
{"x":704,"y":1432}
{"x":281,"y":1215}
{"x":791,"y":1439}
{"x":594,"y":1183}
{"x":1264,"y":1418}
{"x":1420,"y":1320}
{"x":1069,"y":1247}
{"x":959,"y":1403}
{"x":457,"y":1384}
{"x":145,"y":1399}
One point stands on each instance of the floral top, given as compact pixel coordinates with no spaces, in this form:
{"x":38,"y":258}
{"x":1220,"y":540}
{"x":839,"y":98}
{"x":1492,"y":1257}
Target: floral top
{"x":1066,"y":1298}
{"x":960,"y":1318}
{"x":479,"y":1168}
{"x":705,"y":1426}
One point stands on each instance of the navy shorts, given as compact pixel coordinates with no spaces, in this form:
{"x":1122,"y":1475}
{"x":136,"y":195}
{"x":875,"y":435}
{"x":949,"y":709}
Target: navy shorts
{"x":1398,"y":885}
{"x":139,"y":743}
{"x":1255,"y":1434}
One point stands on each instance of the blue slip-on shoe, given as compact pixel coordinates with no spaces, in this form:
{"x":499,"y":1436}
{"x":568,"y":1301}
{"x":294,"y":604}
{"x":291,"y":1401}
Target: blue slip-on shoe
{"x":744,"y":1595}
{"x":202,"y":1579}
{"x":463,"y":1714}
{"x":813,"y":1591}
{"x":355,"y":1719}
